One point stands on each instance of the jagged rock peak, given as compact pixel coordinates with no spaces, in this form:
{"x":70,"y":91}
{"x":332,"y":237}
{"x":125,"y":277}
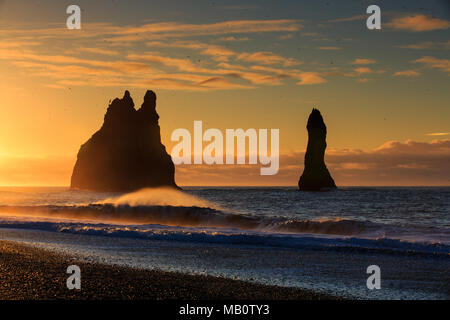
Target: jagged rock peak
{"x":150,"y":97}
{"x":126,"y":153}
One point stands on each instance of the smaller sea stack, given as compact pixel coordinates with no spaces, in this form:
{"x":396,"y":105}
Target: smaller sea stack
{"x":316,"y":176}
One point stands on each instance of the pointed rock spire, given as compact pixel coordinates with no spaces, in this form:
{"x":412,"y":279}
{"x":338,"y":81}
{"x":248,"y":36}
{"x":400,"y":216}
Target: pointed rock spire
{"x":316,"y":176}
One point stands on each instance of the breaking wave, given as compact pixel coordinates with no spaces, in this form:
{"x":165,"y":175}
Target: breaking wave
{"x":172,"y":215}
{"x":241,"y":237}
{"x":192,"y":216}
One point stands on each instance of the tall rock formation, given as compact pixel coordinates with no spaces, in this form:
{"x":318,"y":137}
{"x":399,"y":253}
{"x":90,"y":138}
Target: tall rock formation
{"x":126,"y":154}
{"x":315,"y":176}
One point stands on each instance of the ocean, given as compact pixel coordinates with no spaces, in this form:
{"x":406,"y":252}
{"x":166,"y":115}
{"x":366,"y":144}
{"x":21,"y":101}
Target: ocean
{"x":273,"y":235}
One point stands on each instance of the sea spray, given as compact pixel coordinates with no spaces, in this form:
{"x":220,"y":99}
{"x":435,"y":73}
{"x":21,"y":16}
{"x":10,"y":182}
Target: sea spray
{"x":160,"y":197}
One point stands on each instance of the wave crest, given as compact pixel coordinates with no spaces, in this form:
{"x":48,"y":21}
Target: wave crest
{"x":159,"y":197}
{"x":191,"y":216}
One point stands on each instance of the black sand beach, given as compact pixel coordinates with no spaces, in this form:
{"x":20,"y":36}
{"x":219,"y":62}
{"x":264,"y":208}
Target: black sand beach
{"x":28,"y":273}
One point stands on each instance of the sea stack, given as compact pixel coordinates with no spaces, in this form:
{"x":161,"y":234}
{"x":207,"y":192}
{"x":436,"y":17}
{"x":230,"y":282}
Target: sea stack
{"x":315,"y":176}
{"x":126,"y":154}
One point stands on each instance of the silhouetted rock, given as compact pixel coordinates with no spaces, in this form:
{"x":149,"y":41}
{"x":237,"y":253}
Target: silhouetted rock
{"x":315,"y":176}
{"x":126,"y":154}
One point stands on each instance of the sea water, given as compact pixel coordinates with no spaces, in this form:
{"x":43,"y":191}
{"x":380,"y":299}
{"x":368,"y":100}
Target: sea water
{"x":273,"y":235}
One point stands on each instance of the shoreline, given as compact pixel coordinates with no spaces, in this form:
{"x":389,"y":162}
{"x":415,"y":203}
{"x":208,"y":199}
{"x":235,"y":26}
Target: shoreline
{"x":29,"y":273}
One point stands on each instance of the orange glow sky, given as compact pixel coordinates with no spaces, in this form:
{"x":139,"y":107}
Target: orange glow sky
{"x":384,"y":94}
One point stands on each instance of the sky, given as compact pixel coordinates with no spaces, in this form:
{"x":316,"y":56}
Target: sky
{"x":384,"y":94}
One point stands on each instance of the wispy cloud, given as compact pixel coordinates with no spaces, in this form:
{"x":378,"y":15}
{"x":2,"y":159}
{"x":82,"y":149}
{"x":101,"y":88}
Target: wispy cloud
{"x":427,"y":45}
{"x":148,"y":68}
{"x":363,"y":70}
{"x":220,"y":67}
{"x":159,"y":30}
{"x":233,"y":39}
{"x":310,"y":78}
{"x":265,"y":57}
{"x":407,"y":73}
{"x":101,"y":51}
{"x":438,"y":134}
{"x":173,"y":29}
{"x":367,"y":70}
{"x":286,"y":36}
{"x":360,"y":61}
{"x":11,"y":43}
{"x":418,"y":23}
{"x":329,"y":48}
{"x":352,"y":18}
{"x":222,"y":54}
{"x":434,"y":63}
{"x":219,"y":53}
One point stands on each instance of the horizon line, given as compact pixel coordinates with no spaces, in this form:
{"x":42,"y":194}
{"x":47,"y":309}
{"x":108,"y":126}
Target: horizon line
{"x":223,"y":186}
